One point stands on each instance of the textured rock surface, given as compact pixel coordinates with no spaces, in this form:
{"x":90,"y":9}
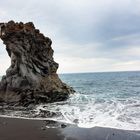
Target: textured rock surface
{"x":32,"y":77}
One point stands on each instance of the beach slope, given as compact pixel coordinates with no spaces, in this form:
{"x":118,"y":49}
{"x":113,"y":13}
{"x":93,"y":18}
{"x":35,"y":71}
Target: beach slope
{"x":22,"y":129}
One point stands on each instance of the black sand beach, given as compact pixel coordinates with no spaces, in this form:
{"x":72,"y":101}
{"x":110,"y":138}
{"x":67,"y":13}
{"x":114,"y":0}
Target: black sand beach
{"x":21,"y":129}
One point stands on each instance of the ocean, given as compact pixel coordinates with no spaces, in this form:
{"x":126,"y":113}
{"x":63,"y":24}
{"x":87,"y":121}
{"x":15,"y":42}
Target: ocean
{"x":108,"y":99}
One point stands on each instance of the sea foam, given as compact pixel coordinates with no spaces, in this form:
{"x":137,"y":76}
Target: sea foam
{"x":102,"y":99}
{"x":87,"y":111}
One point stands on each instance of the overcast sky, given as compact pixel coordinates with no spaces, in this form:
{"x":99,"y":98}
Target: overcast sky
{"x":87,"y":35}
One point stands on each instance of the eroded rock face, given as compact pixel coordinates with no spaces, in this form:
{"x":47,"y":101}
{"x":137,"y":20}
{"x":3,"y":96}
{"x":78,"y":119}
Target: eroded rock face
{"x":32,"y":77}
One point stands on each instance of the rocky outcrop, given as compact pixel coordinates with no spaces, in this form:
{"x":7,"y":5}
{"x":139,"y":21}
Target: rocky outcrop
{"x":32,"y":77}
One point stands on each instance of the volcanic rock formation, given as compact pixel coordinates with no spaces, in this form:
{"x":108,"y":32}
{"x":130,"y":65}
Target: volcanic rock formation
{"x":32,"y":77}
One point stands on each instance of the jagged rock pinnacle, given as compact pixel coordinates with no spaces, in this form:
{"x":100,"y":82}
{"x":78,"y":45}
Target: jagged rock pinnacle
{"x":32,"y":76}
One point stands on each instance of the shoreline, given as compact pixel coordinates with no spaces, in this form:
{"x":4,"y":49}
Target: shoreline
{"x":63,"y":122}
{"x":27,"y":129}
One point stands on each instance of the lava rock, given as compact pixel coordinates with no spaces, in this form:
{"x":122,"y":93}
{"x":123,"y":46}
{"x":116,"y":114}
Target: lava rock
{"x":32,"y":77}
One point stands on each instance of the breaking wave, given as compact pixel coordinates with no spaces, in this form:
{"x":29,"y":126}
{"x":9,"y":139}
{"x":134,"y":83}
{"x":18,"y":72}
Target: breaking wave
{"x":87,"y":111}
{"x":102,"y":99}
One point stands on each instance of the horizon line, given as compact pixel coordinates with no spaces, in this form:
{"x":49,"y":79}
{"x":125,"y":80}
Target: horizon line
{"x":99,"y":72}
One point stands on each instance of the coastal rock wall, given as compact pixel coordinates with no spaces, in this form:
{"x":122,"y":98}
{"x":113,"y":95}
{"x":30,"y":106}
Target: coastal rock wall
{"x":32,"y":77}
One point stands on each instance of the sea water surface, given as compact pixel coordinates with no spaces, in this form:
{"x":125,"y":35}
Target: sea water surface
{"x":109,"y":99}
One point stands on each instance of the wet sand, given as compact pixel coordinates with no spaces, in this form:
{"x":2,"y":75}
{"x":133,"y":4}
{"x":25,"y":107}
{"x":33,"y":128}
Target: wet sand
{"x":20,"y":129}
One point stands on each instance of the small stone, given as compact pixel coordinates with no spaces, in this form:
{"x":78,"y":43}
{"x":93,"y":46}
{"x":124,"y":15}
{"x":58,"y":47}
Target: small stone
{"x":43,"y":128}
{"x":113,"y":134}
{"x":75,"y":121}
{"x":63,"y":125}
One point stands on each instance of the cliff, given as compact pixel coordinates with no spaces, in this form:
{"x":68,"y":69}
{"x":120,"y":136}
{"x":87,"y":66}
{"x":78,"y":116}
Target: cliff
{"x":32,"y":77}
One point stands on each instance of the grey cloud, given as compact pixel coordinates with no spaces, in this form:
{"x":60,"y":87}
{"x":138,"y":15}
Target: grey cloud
{"x":82,"y":28}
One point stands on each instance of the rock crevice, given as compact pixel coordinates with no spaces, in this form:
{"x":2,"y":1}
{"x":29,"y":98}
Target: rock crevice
{"x":32,"y":75}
